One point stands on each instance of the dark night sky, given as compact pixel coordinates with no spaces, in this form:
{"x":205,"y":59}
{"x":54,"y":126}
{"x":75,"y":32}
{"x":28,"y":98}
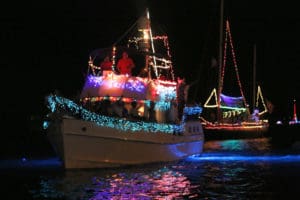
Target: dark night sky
{"x":45,"y":44}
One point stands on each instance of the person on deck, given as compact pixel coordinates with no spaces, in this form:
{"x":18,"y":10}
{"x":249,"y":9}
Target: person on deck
{"x":133,"y":112}
{"x":125,"y":64}
{"x":106,"y":64}
{"x":151,"y":112}
{"x":183,"y":95}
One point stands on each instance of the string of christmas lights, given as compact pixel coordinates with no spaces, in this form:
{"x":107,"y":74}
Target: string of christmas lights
{"x":234,"y":62}
{"x":60,"y":104}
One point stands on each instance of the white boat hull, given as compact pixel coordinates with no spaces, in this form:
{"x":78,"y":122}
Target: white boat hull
{"x":84,"y":144}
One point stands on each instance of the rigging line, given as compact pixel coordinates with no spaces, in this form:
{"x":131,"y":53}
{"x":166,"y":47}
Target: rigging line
{"x":151,"y":40}
{"x":130,"y":28}
{"x":221,"y":38}
{"x":223,"y":65}
{"x":235,"y":63}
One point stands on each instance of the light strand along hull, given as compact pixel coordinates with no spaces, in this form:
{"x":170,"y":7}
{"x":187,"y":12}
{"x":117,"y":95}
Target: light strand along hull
{"x":230,"y":131}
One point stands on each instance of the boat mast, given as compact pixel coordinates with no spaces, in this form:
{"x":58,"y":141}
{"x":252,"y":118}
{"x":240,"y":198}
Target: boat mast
{"x":151,"y":40}
{"x":254,"y":78}
{"x":295,"y":119}
{"x":147,"y":44}
{"x":220,"y":60}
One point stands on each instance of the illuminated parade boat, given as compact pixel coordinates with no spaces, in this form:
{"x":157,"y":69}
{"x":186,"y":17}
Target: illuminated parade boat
{"x":89,"y":132}
{"x":228,"y":116}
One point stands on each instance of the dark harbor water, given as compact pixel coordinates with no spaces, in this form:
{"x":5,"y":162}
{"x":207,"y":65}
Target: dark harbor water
{"x":230,"y":169}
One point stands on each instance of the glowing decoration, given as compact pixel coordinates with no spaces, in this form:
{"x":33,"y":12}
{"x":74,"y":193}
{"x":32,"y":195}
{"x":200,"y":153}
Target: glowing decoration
{"x":221,"y":98}
{"x":94,"y":81}
{"x":151,"y":40}
{"x":135,"y":85}
{"x":166,"y":93}
{"x":191,"y":113}
{"x":45,"y":124}
{"x":259,"y":96}
{"x":165,"y":63}
{"x":146,"y":35}
{"x":116,"y":86}
{"x":162,"y":105}
{"x":130,"y":87}
{"x":114,"y":59}
{"x":63,"y":106}
{"x":195,"y":110}
{"x":295,"y":112}
{"x":233,"y":113}
{"x":252,"y":158}
{"x":228,"y":35}
{"x":295,"y":119}
{"x":213,"y":93}
{"x":228,"y":106}
{"x":60,"y":104}
{"x":234,"y":108}
{"x":94,"y":67}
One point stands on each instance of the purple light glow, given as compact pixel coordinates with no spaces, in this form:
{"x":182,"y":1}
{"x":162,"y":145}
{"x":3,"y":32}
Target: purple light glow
{"x":232,"y":101}
{"x":130,"y":87}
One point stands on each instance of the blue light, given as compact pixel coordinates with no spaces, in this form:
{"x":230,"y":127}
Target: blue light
{"x":134,"y":84}
{"x":215,"y":157}
{"x":129,"y":86}
{"x":162,"y":105}
{"x":60,"y":104}
{"x":195,"y":110}
{"x":45,"y":125}
{"x":94,"y":81}
{"x":24,"y":163}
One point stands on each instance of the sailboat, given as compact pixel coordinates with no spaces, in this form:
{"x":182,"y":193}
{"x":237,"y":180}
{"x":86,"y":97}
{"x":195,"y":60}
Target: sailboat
{"x":98,"y":130}
{"x":228,"y":116}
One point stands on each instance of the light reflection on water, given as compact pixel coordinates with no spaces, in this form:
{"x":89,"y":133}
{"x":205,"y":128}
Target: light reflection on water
{"x":249,"y":158}
{"x":163,"y":183}
{"x":237,"y":169}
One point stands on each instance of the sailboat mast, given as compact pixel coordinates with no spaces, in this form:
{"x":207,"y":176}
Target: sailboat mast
{"x":147,"y":40}
{"x":254,"y":78}
{"x":220,"y":59}
{"x":295,"y":119}
{"x":151,"y":40}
